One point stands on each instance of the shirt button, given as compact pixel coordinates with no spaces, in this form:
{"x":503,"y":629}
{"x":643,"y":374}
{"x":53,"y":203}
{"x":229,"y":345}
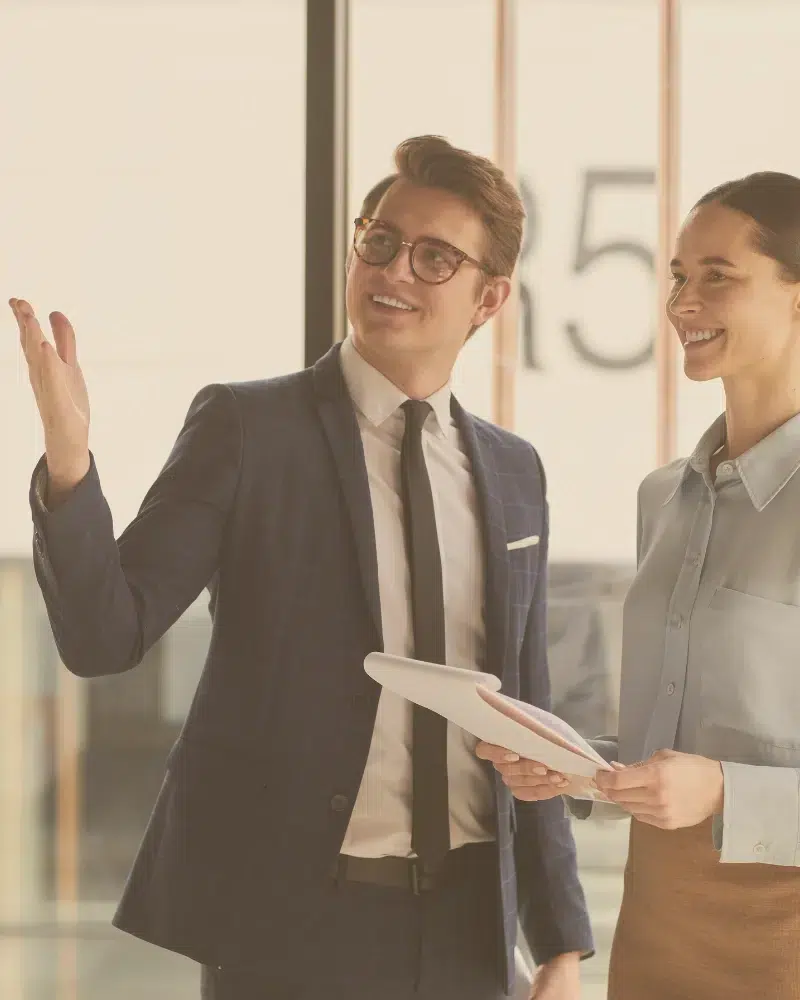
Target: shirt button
{"x":339,"y":803}
{"x":670,"y":688}
{"x":676,"y":621}
{"x":759,"y":849}
{"x":726,"y":468}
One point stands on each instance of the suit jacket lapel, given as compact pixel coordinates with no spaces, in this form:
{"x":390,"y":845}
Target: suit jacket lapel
{"x":341,"y":428}
{"x":488,"y":487}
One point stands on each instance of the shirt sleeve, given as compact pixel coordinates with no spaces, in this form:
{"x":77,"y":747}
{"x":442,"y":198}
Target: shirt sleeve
{"x":608,"y":748}
{"x":760,"y":821}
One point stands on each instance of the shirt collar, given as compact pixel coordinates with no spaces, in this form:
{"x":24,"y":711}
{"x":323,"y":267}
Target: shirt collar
{"x":764,"y":469}
{"x":377,"y":398}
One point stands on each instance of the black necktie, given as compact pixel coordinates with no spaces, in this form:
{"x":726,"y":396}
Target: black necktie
{"x":430,"y":821}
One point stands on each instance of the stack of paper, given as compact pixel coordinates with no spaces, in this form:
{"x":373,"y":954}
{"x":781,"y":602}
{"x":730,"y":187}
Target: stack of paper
{"x":472,"y":700}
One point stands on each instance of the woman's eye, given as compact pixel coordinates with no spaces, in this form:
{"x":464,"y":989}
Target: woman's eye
{"x":717,"y":276}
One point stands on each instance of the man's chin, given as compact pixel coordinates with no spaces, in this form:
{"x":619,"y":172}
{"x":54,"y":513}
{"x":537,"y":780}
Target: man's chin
{"x":389,"y":334}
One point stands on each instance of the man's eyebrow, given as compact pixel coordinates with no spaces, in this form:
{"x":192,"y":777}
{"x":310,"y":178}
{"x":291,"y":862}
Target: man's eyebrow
{"x":425,"y":236}
{"x":719,"y":261}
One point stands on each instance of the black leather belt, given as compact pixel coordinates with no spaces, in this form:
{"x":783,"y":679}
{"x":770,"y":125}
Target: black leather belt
{"x":403,"y":873}
{"x":394,"y":873}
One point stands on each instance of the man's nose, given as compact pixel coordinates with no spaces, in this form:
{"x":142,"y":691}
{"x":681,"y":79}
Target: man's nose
{"x":399,"y":267}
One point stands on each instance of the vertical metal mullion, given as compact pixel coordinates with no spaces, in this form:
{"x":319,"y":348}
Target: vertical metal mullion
{"x":504,"y":356}
{"x":327,"y":54}
{"x":668,"y":194}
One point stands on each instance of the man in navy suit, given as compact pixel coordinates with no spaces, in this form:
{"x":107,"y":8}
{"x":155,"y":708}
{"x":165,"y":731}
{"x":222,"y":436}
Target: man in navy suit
{"x":313,"y":834}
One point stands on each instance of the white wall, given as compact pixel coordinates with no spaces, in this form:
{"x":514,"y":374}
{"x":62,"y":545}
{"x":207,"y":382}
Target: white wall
{"x":152,"y":188}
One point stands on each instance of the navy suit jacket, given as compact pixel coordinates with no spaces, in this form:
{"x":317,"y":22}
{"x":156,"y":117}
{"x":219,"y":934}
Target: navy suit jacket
{"x":265,"y":500}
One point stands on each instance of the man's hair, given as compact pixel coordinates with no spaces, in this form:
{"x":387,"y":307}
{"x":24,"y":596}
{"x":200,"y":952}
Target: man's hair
{"x":373,"y":197}
{"x":431,"y":161}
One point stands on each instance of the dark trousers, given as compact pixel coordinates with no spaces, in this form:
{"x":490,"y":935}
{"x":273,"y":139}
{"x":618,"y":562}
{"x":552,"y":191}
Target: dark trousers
{"x":379,"y":943}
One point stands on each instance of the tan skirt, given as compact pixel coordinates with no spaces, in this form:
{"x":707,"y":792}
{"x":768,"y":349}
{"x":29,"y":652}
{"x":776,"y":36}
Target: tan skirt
{"x":692,"y":928}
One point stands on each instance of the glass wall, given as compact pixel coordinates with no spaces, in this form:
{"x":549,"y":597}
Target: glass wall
{"x":429,"y":71}
{"x":152,"y":188}
{"x":586,"y":388}
{"x":752,"y":48}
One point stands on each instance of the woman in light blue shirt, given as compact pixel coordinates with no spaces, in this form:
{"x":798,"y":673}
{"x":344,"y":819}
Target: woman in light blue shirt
{"x":709,"y":722}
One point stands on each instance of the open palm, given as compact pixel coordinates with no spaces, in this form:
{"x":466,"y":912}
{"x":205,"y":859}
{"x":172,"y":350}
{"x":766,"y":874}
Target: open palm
{"x":60,"y":390}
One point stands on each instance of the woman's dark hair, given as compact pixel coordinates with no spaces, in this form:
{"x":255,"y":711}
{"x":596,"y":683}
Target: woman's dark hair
{"x":772,"y":201}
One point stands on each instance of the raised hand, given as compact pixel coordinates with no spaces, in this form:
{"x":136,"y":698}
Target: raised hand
{"x":61,"y":396}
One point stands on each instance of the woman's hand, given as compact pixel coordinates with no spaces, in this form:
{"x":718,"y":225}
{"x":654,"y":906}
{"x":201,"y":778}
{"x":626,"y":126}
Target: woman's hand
{"x":670,"y":790}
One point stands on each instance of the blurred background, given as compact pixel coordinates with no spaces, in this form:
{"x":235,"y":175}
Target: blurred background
{"x":180,"y":178}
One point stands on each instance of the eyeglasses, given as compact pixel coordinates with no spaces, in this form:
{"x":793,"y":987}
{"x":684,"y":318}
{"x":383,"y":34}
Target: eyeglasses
{"x":432,"y":261}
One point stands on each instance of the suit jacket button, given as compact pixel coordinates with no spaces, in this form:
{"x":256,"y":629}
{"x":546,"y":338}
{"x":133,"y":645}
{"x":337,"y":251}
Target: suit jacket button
{"x":339,"y":803}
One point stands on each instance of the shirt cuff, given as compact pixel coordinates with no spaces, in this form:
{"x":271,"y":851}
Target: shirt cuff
{"x":608,"y":748}
{"x":40,"y":489}
{"x":578,"y":808}
{"x":760,"y":822}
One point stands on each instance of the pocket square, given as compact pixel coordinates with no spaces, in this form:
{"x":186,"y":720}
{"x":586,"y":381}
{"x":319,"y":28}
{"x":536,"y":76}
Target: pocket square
{"x":523,"y":543}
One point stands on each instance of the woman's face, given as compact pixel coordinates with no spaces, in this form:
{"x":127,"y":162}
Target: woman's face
{"x":733,"y":312}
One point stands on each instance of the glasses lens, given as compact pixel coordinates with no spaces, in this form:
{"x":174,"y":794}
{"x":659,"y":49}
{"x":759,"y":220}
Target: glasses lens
{"x":376,"y":245}
{"x":434,"y":263}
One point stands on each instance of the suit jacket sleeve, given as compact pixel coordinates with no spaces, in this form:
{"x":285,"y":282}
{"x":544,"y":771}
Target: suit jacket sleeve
{"x":552,"y":907}
{"x":109,"y":601}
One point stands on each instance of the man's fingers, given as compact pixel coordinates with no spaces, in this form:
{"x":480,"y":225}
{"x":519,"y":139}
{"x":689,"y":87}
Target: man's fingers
{"x":496,"y":754}
{"x":15,"y":308}
{"x":528,"y":780}
{"x":64,"y":336}
{"x":534,"y":793}
{"x":31,"y":335}
{"x":526,"y":766}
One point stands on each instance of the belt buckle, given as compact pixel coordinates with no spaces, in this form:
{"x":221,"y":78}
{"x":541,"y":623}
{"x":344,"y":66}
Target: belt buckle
{"x":415,"y":876}
{"x":421,"y":881}
{"x":340,"y":871}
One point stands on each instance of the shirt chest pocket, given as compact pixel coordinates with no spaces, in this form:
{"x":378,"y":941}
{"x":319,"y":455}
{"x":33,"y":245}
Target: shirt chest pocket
{"x":747,"y":649}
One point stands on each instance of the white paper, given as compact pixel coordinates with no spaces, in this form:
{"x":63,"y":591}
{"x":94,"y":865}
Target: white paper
{"x":455,"y":694}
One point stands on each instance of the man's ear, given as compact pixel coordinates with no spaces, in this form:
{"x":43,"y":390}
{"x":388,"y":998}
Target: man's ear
{"x":493,"y":297}
{"x":796,"y":305}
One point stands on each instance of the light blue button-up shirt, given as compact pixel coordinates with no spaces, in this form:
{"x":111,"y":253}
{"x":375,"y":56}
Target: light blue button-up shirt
{"x":711,"y":635}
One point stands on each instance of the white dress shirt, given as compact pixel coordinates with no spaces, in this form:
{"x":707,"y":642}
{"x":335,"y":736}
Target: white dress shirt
{"x":381,"y":821}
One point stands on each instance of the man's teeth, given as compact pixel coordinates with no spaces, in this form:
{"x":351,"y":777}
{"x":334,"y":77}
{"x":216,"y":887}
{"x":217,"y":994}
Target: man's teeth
{"x":394,"y":303}
{"x":694,"y":336}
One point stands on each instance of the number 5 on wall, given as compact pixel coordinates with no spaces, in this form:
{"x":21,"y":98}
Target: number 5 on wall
{"x":586,"y":254}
